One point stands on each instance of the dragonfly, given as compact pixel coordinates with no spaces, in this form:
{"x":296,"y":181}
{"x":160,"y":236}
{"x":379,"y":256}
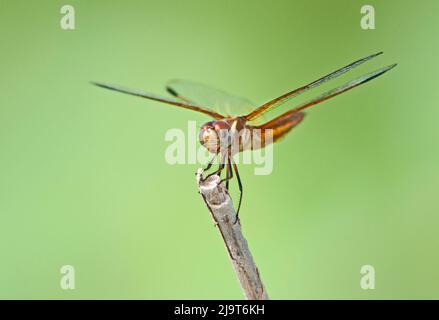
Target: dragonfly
{"x":234,"y":114}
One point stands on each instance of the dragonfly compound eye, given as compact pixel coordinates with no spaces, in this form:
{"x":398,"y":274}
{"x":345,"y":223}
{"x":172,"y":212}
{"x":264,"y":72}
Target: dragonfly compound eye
{"x":209,"y":138}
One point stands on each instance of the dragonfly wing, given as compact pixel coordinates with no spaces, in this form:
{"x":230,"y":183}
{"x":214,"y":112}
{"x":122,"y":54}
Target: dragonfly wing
{"x":151,"y":96}
{"x":205,"y":96}
{"x":343,"y":88}
{"x":287,"y":96}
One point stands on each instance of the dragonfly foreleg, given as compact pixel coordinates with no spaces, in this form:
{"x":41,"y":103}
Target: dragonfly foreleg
{"x":220,"y":168}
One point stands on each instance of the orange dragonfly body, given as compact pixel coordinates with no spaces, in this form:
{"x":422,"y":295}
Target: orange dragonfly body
{"x":203,"y":99}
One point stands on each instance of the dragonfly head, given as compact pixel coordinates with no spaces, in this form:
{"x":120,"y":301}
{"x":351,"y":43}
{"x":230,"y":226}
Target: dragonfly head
{"x":214,"y":135}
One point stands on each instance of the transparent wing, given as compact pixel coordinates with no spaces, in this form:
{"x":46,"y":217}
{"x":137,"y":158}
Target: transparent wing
{"x":332,"y":93}
{"x":204,"y":96}
{"x":343,"y":88}
{"x":155,"y":97}
{"x":287,"y":96}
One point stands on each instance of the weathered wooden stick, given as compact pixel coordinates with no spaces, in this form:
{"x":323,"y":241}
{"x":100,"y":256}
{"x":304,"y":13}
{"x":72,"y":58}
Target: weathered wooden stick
{"x":220,"y":205}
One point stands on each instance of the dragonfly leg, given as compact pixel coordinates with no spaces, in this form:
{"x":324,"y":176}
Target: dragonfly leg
{"x":220,"y":168}
{"x":235,"y":167}
{"x":229,"y":172}
{"x":209,"y":165}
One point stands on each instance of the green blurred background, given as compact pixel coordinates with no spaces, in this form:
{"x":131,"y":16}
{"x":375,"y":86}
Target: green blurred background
{"x":83,"y":179}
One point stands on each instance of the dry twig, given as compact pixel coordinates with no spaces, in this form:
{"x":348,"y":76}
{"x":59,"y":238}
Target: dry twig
{"x":220,"y":205}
